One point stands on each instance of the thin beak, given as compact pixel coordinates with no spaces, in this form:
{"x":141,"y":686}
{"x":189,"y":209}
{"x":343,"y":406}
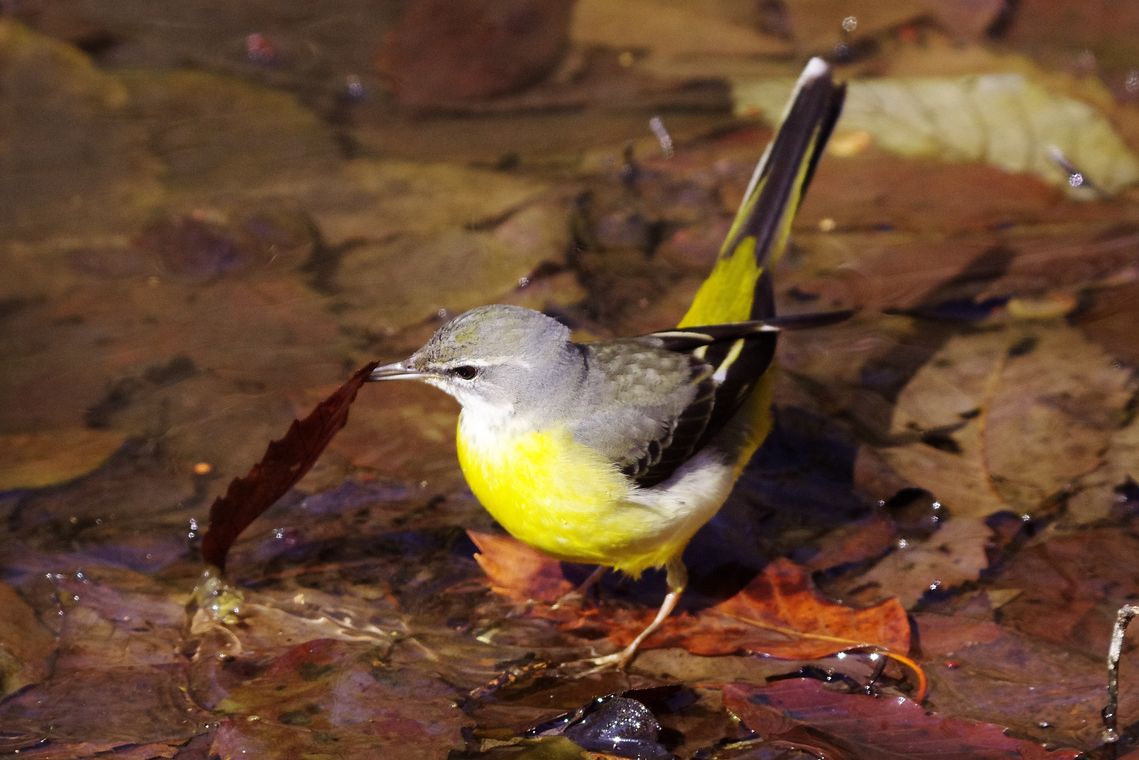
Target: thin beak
{"x":396,"y":371}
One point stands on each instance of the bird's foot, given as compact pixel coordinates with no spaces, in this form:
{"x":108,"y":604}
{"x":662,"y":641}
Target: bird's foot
{"x":593,"y":665}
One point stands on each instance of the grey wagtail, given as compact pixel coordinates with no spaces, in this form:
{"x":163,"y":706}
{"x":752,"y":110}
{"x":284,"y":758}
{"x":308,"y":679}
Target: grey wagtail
{"x":616,"y":452}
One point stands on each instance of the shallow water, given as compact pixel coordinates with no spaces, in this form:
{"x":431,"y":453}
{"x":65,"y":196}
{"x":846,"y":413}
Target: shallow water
{"x":210,"y":216}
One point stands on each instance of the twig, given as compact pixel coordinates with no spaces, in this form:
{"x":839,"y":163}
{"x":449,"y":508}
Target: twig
{"x":1110,"y":711}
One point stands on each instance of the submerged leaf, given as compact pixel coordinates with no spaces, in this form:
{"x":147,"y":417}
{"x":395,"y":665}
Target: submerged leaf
{"x":35,"y":460}
{"x":806,"y":713}
{"x":26,"y":646}
{"x":1023,"y":416}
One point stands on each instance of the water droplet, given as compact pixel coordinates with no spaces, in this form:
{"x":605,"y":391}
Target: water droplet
{"x":849,"y":24}
{"x":1076,"y":179}
{"x":1131,"y":82}
{"x":935,"y":584}
{"x":354,"y":87}
{"x":662,"y":135}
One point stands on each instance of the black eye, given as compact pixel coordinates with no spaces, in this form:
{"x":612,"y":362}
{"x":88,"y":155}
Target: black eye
{"x":466,"y":372}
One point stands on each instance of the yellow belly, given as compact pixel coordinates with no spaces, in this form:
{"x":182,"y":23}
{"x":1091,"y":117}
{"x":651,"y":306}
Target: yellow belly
{"x":556,"y":495}
{"x":549,"y":491}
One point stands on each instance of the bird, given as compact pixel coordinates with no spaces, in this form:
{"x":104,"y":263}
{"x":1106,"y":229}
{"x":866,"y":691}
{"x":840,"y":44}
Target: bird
{"x":616,"y":452}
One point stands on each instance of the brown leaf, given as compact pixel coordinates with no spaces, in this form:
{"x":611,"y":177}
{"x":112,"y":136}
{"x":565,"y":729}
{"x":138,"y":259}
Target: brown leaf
{"x":345,"y":689}
{"x":954,"y":555}
{"x":807,"y":713}
{"x":442,"y":50}
{"x":982,"y":670}
{"x":1041,"y":424}
{"x":36,"y":460}
{"x":26,"y":646}
{"x":286,"y":460}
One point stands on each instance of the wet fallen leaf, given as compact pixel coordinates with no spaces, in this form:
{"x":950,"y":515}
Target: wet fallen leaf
{"x":410,"y":278}
{"x":374,"y":200}
{"x":518,"y":572}
{"x":36,"y":460}
{"x":350,"y":687}
{"x":441,"y":52}
{"x":805,"y":713}
{"x":675,"y":30}
{"x":954,"y":555}
{"x":1007,"y":120}
{"x":1107,"y":317}
{"x":118,"y":636}
{"x":260,"y":142}
{"x":1100,"y":494}
{"x":284,"y":463}
{"x":983,"y":670}
{"x":26,"y":646}
{"x":819,"y":26}
{"x":1018,"y":425}
{"x":64,"y":136}
{"x":779,"y":614}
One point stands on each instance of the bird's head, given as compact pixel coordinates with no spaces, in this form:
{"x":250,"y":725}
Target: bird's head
{"x":491,"y":359}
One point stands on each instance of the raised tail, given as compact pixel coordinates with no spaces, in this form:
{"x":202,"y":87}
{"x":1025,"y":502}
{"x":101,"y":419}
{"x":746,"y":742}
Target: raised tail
{"x":739,"y":287}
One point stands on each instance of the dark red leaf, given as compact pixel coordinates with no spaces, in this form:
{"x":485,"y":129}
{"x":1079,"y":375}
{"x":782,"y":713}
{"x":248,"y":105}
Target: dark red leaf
{"x":806,"y":712}
{"x":286,"y":461}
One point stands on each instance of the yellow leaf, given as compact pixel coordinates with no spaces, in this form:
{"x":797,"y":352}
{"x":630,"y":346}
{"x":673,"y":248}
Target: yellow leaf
{"x":36,"y":460}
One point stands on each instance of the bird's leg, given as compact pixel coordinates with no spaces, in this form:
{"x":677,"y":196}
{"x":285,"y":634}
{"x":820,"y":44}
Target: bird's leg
{"x":677,"y":580}
{"x":582,"y":588}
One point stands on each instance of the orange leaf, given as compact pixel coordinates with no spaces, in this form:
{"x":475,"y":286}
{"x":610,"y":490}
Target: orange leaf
{"x":779,"y":614}
{"x":517,"y":571}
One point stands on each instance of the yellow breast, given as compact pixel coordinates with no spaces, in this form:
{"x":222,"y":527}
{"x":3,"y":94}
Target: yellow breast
{"x":559,"y":496}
